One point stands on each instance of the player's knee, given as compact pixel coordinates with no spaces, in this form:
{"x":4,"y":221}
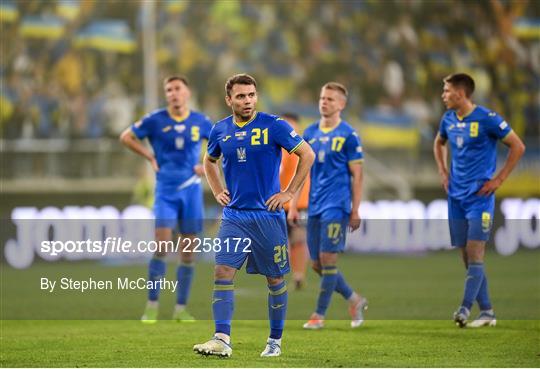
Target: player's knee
{"x":160,"y":254}
{"x":328,"y":259}
{"x":187,"y":257}
{"x":224,"y":272}
{"x":475,"y":253}
{"x":274,"y":281}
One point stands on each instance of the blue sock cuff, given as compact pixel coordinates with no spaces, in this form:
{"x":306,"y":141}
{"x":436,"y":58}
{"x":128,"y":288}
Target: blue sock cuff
{"x":223,"y":327}
{"x":475,"y":269}
{"x":329,"y":270}
{"x":223,"y":282}
{"x":276,"y":287}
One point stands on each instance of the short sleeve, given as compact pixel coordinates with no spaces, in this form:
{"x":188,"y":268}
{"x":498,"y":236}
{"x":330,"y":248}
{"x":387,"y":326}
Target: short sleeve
{"x":353,"y":148}
{"x":206,"y":128}
{"x":142,"y":128}
{"x":307,"y":135}
{"x":285,"y":136}
{"x":442,"y":128}
{"x":214,"y":150}
{"x":496,"y":126}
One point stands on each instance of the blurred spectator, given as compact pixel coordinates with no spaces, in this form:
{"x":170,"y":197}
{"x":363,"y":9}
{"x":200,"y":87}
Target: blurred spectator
{"x":393,"y":53}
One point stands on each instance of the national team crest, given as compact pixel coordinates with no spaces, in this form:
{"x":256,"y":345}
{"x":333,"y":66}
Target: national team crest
{"x":179,"y":143}
{"x":240,"y":135}
{"x":241,"y":154}
{"x":459,"y":141}
{"x":320,"y":156}
{"x":180,"y":128}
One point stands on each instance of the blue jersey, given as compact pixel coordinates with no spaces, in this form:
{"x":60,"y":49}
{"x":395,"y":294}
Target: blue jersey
{"x":473,"y":144}
{"x":330,"y":174}
{"x":252,"y":156}
{"x":176,"y":143}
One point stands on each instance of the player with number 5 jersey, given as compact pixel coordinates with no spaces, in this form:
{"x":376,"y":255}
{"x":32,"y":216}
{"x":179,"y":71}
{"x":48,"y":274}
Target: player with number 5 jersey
{"x":175,"y":134}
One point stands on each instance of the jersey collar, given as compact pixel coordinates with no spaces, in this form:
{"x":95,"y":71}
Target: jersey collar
{"x":179,"y":119}
{"x":328,"y":130}
{"x":242,"y":124}
{"x":468,"y":113}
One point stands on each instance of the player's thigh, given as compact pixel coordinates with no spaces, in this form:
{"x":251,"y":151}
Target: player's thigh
{"x":333,"y":230}
{"x":314,"y":236}
{"x":164,"y":237}
{"x":297,"y":235}
{"x":457,"y":223}
{"x":479,"y":213}
{"x":191,"y":211}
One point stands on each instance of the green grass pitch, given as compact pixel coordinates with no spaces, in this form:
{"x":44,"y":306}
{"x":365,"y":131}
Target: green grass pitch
{"x":408,"y":322}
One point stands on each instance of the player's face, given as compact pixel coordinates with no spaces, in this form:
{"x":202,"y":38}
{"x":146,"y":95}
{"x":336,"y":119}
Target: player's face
{"x":331,"y":102}
{"x":242,"y":100}
{"x":177,"y":94}
{"x":452,"y":97}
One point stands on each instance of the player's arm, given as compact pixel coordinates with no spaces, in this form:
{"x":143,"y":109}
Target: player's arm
{"x":440,"y":152}
{"x":293,"y":214}
{"x":206,"y":128}
{"x":128,"y":139}
{"x":306,"y":157}
{"x":357,"y":174}
{"x":211,"y":169}
{"x":516,"y":150}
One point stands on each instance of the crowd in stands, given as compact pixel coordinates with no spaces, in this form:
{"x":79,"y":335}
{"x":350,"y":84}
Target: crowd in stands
{"x":392,"y":55}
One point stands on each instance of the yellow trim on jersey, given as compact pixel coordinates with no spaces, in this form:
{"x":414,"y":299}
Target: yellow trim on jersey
{"x":177,"y":118}
{"x":359,"y":161}
{"x":212,"y":158}
{"x":329,"y":271}
{"x":278,"y":292}
{"x":466,"y":115}
{"x":329,"y":129}
{"x":296,"y":147}
{"x":243,"y":124}
{"x":511,"y":130}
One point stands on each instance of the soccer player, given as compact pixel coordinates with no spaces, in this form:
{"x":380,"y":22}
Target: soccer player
{"x":249,"y":144}
{"x":336,"y":182}
{"x":296,"y":231}
{"x":473,"y":132}
{"x":175,"y":134}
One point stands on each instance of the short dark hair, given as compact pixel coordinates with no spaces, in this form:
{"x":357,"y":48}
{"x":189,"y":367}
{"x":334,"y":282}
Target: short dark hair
{"x":336,"y":86}
{"x":239,"y":79}
{"x":290,"y":115}
{"x":461,"y":80}
{"x":176,"y":78}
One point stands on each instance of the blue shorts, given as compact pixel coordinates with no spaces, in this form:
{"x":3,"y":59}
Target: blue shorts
{"x":183,"y":208}
{"x":326,"y":232}
{"x":470,"y":219}
{"x":267,"y":234}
